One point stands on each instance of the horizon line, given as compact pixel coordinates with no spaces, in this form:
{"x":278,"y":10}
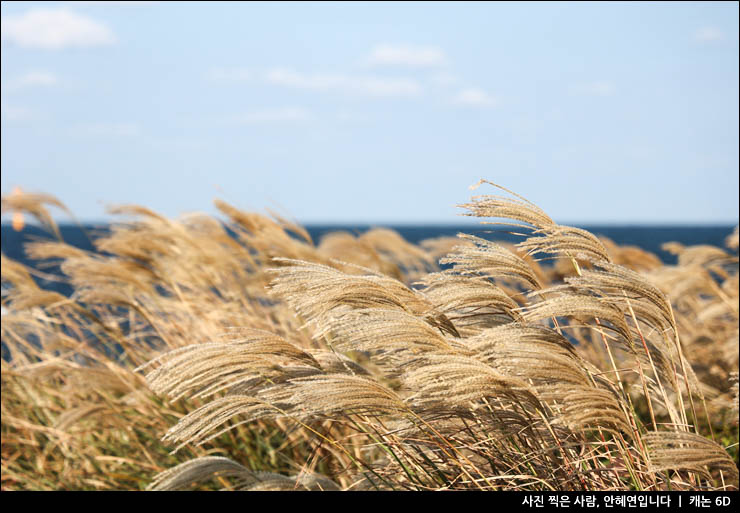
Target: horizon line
{"x":400,"y":223}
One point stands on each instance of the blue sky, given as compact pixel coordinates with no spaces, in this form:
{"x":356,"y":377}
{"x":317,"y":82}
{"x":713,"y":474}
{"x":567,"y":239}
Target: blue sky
{"x":373,"y":112}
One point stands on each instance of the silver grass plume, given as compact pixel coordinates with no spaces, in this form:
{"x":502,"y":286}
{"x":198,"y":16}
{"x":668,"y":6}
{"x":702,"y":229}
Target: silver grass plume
{"x":206,"y":468}
{"x":673,"y":450}
{"x":491,"y":260}
{"x":315,"y":290}
{"x":202,"y":370}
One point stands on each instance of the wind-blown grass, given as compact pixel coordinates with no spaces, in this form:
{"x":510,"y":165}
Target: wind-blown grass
{"x":190,"y":355}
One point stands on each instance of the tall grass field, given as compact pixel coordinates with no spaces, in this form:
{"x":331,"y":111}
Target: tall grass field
{"x":235,"y":352}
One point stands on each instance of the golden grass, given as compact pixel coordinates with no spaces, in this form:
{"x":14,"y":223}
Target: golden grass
{"x":187,"y":357}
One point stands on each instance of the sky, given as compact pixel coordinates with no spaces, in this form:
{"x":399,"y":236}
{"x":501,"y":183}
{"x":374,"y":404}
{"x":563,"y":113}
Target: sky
{"x":381,"y":113}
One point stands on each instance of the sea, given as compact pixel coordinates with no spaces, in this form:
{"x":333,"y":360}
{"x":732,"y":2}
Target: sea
{"x":649,"y":238}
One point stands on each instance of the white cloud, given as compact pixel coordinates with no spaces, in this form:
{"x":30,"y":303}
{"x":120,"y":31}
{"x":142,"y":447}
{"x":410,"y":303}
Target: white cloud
{"x":54,"y":29}
{"x":90,"y":3}
{"x":598,"y":88}
{"x":474,"y":97}
{"x":708,"y":35}
{"x":408,"y":56}
{"x":282,"y":115}
{"x":31,"y":79}
{"x":107,"y":130}
{"x":15,"y":113}
{"x":229,"y":75}
{"x":368,"y":85}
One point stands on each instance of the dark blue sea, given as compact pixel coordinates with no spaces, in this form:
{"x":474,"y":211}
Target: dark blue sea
{"x":649,"y":238}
